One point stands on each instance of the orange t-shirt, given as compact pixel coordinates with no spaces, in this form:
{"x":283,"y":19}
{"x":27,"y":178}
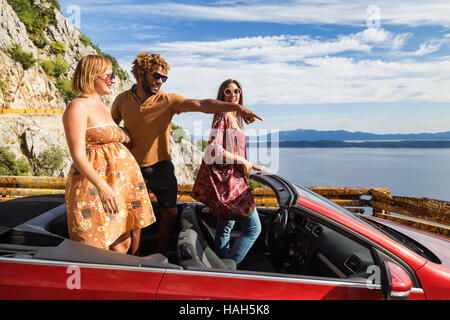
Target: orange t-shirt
{"x":148,"y":124}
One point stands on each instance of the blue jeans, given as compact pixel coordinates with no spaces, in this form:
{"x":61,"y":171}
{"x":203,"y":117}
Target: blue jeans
{"x":251,"y":228}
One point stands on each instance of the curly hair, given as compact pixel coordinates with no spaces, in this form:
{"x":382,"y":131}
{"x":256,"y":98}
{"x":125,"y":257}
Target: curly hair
{"x":145,"y":61}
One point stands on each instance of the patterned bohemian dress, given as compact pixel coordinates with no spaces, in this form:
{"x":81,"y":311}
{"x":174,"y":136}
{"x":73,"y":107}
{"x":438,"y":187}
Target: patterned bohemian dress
{"x":223,"y":187}
{"x":86,"y":219}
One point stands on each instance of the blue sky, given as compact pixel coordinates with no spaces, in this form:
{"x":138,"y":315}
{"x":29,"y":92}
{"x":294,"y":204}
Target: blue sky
{"x":381,"y":67}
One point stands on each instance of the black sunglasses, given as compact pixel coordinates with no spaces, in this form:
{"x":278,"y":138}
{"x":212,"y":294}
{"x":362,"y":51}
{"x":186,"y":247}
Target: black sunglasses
{"x":157,"y":76}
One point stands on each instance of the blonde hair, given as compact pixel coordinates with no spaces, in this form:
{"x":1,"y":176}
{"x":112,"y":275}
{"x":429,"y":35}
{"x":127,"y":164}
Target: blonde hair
{"x":88,"y":68}
{"x":145,"y":61}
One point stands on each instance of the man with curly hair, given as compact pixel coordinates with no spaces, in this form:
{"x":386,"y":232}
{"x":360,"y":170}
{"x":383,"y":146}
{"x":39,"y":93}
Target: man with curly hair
{"x":147,"y":113}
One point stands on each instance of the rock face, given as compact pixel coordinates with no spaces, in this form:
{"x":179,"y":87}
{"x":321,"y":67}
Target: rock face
{"x":187,"y":159}
{"x":28,"y":136}
{"x":32,"y":88}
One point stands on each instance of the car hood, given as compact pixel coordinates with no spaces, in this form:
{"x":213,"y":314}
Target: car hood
{"x":438,"y":245}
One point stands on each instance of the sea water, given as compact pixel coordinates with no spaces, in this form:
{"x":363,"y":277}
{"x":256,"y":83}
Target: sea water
{"x":406,"y":172}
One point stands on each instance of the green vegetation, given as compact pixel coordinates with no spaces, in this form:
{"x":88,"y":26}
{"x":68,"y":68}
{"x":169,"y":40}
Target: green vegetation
{"x":65,"y":88}
{"x":58,"y":47}
{"x":26,"y":59}
{"x":55,"y":68}
{"x":178,"y":133}
{"x":49,"y":162}
{"x":115,"y":65}
{"x":10,"y":166}
{"x":2,"y":85}
{"x":55,"y":4}
{"x":255,"y":184}
{"x":36,"y":19}
{"x":85,"y":40}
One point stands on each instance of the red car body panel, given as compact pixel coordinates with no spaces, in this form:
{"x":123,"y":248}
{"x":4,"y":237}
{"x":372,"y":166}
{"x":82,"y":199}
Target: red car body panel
{"x":182,"y":286}
{"x":435,"y":281}
{"x":40,"y":281}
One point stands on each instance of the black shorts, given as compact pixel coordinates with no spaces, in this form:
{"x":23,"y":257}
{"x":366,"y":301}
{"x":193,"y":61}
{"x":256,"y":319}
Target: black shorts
{"x":160,"y":179}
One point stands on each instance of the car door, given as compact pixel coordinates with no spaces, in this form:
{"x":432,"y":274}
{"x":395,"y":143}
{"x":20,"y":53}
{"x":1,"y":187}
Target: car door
{"x":219,"y":284}
{"x":26,"y":278}
{"x":216,"y":284}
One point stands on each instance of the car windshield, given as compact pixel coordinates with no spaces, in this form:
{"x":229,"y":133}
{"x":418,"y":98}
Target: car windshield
{"x":325,"y":202}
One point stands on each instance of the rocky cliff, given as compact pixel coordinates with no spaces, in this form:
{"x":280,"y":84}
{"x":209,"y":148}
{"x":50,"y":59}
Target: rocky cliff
{"x":36,"y":87}
{"x":39,"y":50}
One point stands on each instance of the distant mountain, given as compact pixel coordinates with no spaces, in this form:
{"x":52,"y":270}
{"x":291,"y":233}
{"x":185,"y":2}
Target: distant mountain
{"x":342,"y":135}
{"x":367,"y":144}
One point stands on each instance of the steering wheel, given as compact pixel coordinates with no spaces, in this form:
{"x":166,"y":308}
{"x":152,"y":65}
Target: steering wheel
{"x":276,"y":228}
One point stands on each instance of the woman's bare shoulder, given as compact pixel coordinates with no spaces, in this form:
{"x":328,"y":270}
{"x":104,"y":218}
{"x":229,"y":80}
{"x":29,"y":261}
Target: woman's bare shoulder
{"x":78,"y":107}
{"x":79,"y":104}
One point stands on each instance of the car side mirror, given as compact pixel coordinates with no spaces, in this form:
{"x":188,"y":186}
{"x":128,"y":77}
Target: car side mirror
{"x":398,"y":283}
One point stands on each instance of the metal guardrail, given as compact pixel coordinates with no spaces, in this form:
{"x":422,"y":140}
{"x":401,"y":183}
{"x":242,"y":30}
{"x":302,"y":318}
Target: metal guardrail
{"x":41,"y":111}
{"x":422,"y":213}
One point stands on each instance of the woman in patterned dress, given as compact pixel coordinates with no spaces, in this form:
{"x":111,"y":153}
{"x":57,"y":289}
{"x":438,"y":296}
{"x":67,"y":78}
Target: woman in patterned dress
{"x":106,"y":197}
{"x":222,"y":181}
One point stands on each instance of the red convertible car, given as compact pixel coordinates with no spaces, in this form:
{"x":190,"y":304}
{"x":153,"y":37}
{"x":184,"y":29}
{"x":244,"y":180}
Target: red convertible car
{"x":310,"y":248}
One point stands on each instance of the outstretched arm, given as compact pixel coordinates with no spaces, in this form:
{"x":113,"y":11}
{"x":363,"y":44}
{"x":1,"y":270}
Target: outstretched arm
{"x":216,"y":106}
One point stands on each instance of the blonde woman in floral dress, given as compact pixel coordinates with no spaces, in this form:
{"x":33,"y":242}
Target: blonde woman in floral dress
{"x":106,"y":196}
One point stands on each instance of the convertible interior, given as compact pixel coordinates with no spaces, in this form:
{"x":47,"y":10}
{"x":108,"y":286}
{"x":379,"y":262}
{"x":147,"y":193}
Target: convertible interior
{"x":290,"y":242}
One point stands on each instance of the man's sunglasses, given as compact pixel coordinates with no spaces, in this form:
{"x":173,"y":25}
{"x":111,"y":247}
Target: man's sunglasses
{"x":228,"y":91}
{"x":157,"y":76}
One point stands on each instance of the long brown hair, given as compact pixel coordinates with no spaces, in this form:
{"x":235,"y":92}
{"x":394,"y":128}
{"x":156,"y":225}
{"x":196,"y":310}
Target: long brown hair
{"x":221,"y":97}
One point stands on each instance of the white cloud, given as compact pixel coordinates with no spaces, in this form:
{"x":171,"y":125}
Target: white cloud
{"x":282,"y":48}
{"x":322,"y":80}
{"x":412,"y":12}
{"x":298,"y":69}
{"x":271,"y":48}
{"x":383,"y":38}
{"x":428,"y":47}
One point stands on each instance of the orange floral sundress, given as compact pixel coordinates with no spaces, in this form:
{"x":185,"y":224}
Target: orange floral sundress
{"x":86,"y":219}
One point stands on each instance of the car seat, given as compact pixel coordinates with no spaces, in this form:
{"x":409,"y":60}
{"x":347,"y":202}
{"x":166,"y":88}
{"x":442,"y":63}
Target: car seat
{"x":193,"y":250}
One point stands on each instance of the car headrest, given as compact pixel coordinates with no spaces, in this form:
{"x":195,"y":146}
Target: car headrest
{"x":189,"y":219}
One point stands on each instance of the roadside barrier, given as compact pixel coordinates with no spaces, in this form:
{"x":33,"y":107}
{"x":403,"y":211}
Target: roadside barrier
{"x":422,"y":213}
{"x":41,"y":111}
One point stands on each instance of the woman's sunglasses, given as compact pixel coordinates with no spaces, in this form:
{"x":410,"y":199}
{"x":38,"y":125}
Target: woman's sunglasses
{"x":228,"y":91}
{"x":111,"y":76}
{"x":157,"y":76}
